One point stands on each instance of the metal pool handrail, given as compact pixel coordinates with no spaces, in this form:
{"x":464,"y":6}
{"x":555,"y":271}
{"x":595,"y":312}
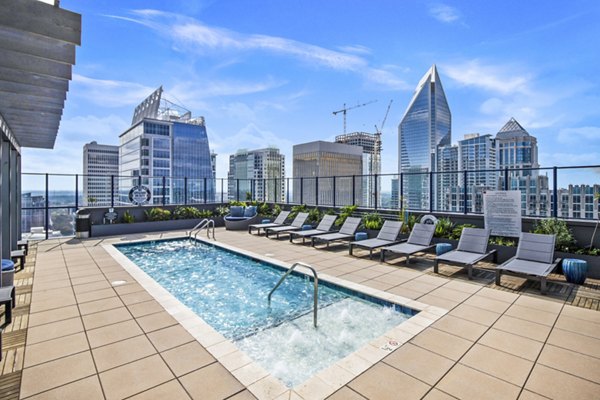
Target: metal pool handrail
{"x":316,"y":286}
{"x":204,"y":224}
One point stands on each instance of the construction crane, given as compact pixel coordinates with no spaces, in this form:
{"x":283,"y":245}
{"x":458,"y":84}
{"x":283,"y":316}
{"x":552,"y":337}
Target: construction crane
{"x":378,"y":131}
{"x":344,"y":110}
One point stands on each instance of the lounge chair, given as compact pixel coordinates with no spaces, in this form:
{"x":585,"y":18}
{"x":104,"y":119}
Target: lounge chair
{"x":388,"y":235}
{"x":418,"y":241}
{"x":346,"y":232}
{"x":534,"y":259}
{"x":472,"y":248}
{"x":323,"y":227}
{"x":296,"y":225}
{"x":279,"y":221}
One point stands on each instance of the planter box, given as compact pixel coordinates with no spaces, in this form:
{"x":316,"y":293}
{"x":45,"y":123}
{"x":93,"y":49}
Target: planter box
{"x":143,"y":227}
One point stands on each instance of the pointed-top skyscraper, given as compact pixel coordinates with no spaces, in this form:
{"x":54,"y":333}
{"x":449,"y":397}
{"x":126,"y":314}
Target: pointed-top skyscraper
{"x":426,"y":124}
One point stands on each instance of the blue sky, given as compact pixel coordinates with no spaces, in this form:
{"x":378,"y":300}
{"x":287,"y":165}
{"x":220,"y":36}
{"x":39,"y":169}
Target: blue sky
{"x":271,"y":72}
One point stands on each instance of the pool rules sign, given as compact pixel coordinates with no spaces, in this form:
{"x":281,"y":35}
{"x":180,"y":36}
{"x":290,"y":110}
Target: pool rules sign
{"x":502,"y":212}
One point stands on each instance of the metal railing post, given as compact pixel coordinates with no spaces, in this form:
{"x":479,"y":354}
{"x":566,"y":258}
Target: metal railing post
{"x":76,"y":192}
{"x":264,"y":190}
{"x":46,"y":211}
{"x":555,"y":192}
{"x":401,"y":192}
{"x":506,"y":178}
{"x":287,"y":191}
{"x":164,"y":184}
{"x":222,"y":198}
{"x":316,"y":190}
{"x":301,"y":190}
{"x":465,"y":191}
{"x":334,"y":191}
{"x":430,"y":191}
{"x":205,"y":190}
{"x":353,"y":190}
{"x":237,"y":189}
{"x":375,"y":191}
{"x":185,"y":190}
{"x":112,"y":191}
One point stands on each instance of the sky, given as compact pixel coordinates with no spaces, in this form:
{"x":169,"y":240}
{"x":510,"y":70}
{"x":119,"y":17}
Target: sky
{"x":271,"y":72}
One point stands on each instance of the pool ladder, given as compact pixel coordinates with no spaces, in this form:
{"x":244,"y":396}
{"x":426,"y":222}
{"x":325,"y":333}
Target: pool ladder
{"x":204,"y":224}
{"x":316,"y":286}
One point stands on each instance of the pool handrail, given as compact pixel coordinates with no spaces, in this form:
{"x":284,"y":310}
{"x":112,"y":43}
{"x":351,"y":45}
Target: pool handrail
{"x":204,"y":224}
{"x":316,"y":287}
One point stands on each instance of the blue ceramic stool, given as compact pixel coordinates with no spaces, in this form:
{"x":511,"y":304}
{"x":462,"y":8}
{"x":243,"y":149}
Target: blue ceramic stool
{"x":306,"y":227}
{"x":442,"y":248}
{"x":265,"y":221}
{"x":575,"y":270}
{"x":361,"y":236}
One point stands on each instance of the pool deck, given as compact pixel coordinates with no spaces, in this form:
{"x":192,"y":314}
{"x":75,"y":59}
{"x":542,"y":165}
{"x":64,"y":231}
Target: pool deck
{"x":76,"y":336}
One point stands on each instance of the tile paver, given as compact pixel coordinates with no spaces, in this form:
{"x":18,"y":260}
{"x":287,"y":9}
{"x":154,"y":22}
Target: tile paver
{"x":490,"y":345}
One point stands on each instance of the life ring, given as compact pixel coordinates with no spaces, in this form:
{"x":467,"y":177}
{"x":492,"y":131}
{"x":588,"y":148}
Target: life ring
{"x":429,"y":220}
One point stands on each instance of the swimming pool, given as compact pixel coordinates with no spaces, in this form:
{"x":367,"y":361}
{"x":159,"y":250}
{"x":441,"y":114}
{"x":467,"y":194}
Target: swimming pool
{"x":229,"y":291}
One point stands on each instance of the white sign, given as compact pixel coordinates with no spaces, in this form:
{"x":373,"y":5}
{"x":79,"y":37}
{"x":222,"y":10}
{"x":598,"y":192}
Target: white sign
{"x":502,"y":212}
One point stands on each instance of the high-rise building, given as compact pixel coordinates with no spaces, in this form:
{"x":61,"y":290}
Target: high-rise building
{"x":426,"y":124}
{"x":447,"y":177}
{"x":259,"y":172}
{"x":314,"y":166}
{"x":371,"y":145}
{"x":517,"y":149}
{"x":166,"y":148}
{"x":100,"y":174}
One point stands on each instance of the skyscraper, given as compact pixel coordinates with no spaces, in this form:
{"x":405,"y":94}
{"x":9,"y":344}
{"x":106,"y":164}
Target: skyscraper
{"x":260,"y":172}
{"x":165,"y":146}
{"x":315,"y":165}
{"x":371,"y":145}
{"x":100,"y":163}
{"x":425,"y":125}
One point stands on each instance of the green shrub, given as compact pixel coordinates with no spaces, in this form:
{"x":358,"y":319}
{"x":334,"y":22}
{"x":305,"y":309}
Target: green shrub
{"x":183,"y":212}
{"x":221,"y":211}
{"x":564,"y":237}
{"x":314,"y":216}
{"x":457,"y":231}
{"x":345,"y":212}
{"x":297,"y":209}
{"x":443,"y":228}
{"x":205,"y":214}
{"x":373,"y":221}
{"x":409,"y":221}
{"x":158,"y":214}
{"x":237,"y":203}
{"x":128,"y":217}
{"x":276,"y":210}
{"x":503,"y":241}
{"x":264,"y":209}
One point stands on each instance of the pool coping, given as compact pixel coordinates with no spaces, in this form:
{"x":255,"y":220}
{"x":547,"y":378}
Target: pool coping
{"x":256,"y":379}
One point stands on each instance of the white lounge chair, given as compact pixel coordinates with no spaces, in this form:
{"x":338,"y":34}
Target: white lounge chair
{"x":346,"y":232}
{"x":279,"y":221}
{"x":388,"y":235}
{"x":323,"y":227}
{"x":472,"y":248}
{"x":418,"y":241}
{"x":296,"y":225}
{"x":534,"y":259}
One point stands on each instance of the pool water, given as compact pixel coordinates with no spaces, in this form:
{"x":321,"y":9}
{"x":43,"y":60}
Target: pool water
{"x":229,"y":291}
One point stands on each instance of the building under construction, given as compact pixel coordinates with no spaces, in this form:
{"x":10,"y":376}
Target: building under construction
{"x":371,"y":165}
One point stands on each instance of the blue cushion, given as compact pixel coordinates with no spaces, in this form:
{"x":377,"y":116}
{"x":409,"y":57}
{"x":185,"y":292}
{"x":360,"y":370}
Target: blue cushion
{"x":236,"y":211}
{"x":230,"y":218}
{"x":250,"y":211}
{"x":361,"y":236}
{"x":7,"y":265}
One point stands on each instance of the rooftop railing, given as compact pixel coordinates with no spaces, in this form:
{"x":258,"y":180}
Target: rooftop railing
{"x":49,"y":201}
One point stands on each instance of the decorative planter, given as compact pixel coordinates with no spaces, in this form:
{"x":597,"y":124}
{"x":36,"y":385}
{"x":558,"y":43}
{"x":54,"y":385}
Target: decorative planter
{"x":372,"y":233}
{"x":593,"y":262}
{"x":575,"y":270}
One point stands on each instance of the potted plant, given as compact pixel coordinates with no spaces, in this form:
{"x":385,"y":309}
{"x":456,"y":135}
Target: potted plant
{"x":372,"y":222}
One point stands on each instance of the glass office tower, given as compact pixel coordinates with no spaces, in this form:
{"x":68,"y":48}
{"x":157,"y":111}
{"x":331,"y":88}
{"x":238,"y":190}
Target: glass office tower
{"x":166,"y":147}
{"x":425,"y":125}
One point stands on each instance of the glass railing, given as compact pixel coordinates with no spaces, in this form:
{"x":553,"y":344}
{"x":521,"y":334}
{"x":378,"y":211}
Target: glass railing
{"x":49,"y":201}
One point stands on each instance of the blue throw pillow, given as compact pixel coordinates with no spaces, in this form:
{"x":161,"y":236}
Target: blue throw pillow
{"x":250,"y":211}
{"x":236,"y":211}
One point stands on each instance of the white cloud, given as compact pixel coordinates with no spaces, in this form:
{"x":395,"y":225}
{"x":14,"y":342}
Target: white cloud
{"x":444,"y":13}
{"x":110,"y":93}
{"x":584,"y":134}
{"x":500,"y":79}
{"x":194,"y":37}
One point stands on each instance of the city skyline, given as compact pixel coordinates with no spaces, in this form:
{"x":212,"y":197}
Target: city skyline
{"x":258,"y":82}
